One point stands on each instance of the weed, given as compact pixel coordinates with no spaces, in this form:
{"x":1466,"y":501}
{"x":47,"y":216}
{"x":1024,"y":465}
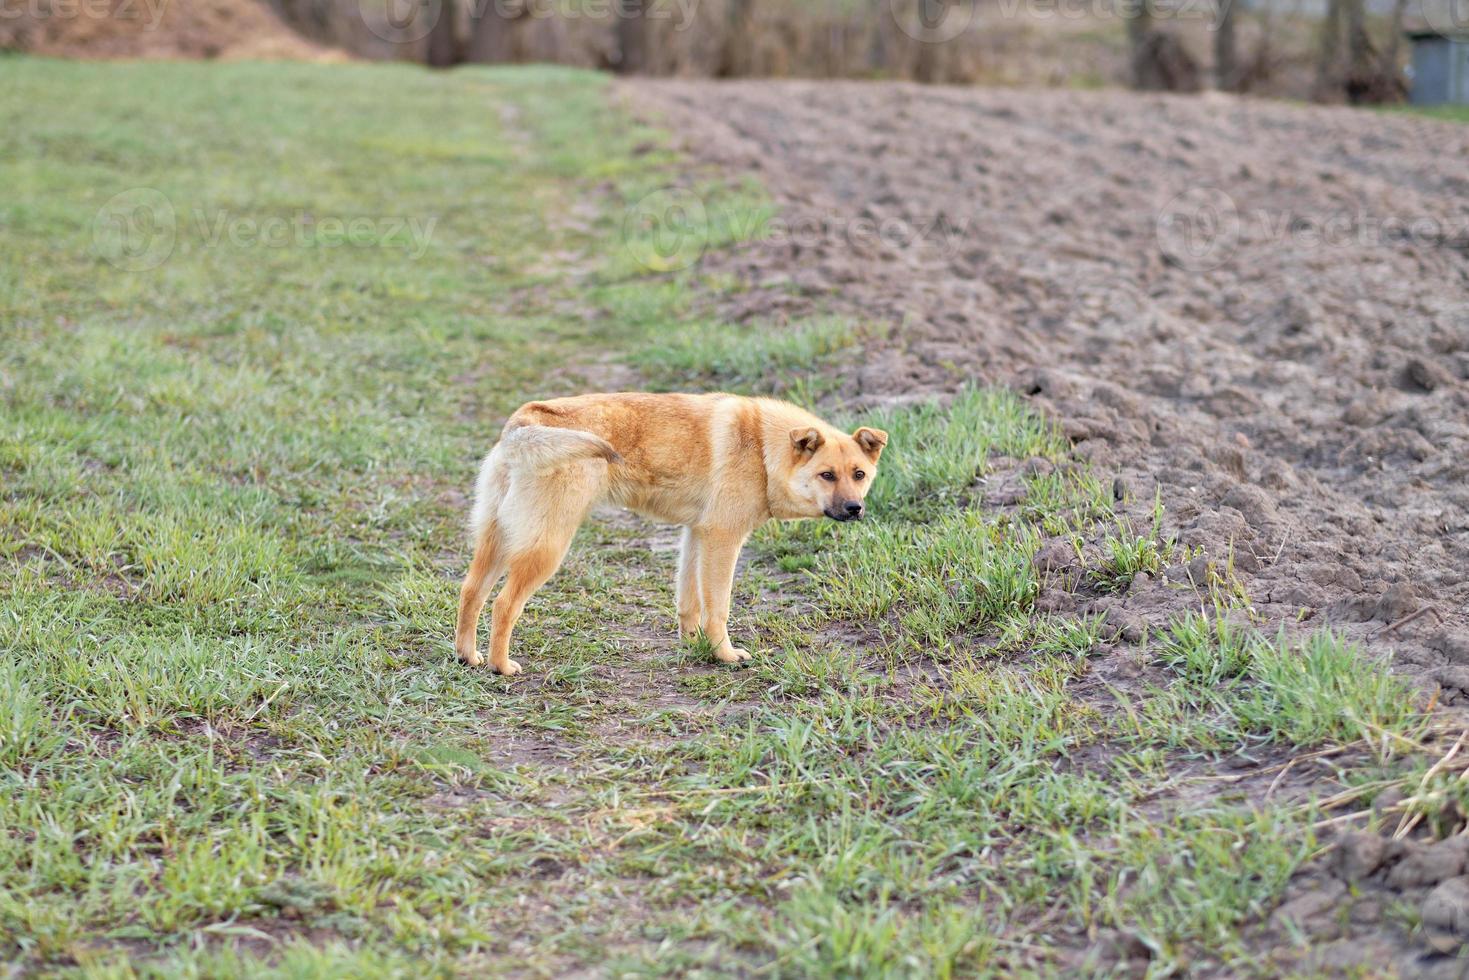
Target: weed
{"x":1127,"y":554}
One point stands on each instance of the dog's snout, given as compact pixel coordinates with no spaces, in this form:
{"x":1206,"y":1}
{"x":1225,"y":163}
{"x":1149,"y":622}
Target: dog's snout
{"x":844,"y":510}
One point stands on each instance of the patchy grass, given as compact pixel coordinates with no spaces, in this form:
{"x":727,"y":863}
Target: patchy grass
{"x":1127,"y":554}
{"x":1451,"y":113}
{"x":794,"y":360}
{"x":940,"y":450}
{"x":233,"y":737}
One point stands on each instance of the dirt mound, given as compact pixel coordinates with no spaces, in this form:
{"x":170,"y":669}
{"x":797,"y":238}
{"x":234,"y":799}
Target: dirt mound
{"x":231,"y":29}
{"x":1254,"y":310}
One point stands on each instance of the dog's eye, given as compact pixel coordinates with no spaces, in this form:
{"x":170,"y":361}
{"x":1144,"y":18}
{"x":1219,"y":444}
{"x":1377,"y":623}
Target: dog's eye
{"x":858,"y":475}
{"x":829,"y":476}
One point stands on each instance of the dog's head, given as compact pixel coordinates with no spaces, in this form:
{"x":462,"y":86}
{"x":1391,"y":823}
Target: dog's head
{"x":832,"y":471}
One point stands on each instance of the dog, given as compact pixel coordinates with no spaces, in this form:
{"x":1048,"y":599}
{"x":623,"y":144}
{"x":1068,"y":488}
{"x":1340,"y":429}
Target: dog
{"x":720,"y":465}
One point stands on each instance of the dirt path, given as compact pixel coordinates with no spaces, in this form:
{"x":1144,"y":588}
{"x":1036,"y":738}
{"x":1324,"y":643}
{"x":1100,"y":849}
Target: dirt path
{"x":1283,"y":349}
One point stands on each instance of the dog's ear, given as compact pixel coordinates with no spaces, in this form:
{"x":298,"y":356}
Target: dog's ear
{"x":871,"y":440}
{"x":806,"y":441}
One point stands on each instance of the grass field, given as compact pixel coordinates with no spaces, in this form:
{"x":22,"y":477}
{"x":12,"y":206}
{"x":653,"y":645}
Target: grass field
{"x":234,"y":452}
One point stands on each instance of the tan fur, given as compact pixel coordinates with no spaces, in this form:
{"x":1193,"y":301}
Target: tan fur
{"x":720,"y":465}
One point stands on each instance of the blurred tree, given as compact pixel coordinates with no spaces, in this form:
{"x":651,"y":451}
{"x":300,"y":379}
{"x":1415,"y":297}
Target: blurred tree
{"x":1360,"y":63}
{"x":1362,"y":76}
{"x":929,"y":22}
{"x":735,"y":55}
{"x":633,"y":27}
{"x":492,"y":25}
{"x":1139,"y":18}
{"x":446,"y":40}
{"x":1226,"y":51}
{"x":1157,"y":59}
{"x":1327,"y":52}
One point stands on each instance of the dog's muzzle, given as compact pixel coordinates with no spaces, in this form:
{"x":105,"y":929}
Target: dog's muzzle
{"x":849,"y":511}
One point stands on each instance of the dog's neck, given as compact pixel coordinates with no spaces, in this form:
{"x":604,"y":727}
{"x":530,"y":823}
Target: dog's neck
{"x":775,"y":449}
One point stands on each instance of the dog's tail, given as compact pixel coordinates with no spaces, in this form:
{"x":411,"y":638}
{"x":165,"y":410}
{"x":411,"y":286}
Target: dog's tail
{"x":541,"y":447}
{"x":529,"y":450}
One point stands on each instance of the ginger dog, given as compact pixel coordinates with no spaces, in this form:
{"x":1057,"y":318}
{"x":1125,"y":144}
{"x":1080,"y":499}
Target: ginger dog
{"x":720,"y":465}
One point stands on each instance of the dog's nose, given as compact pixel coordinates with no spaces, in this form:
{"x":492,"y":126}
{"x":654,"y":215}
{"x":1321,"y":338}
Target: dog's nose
{"x":854,"y":508}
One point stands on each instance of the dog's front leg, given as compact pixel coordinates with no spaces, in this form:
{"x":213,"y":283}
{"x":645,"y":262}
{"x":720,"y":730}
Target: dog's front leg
{"x":719,"y":550}
{"x":686,"y":586}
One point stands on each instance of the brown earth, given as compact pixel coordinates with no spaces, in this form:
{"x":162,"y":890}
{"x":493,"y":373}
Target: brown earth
{"x":1257,"y":311}
{"x":167,"y":29}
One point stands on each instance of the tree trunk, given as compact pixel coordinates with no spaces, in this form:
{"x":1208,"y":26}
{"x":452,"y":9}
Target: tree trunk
{"x":1262,"y":61}
{"x":1390,"y":53}
{"x":1226,"y":52}
{"x":445,"y":45}
{"x":735,"y":57}
{"x":1139,"y":29}
{"x":492,"y":25}
{"x":632,"y":36}
{"x":1327,"y":76}
{"x":879,"y":17}
{"x":1360,"y":77}
{"x":934,"y":35}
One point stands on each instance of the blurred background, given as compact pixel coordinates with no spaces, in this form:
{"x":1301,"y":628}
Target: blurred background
{"x":1354,"y":51}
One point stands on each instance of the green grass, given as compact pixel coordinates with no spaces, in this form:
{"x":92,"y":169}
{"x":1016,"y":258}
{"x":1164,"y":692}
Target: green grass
{"x":1126,"y":553}
{"x":1450,"y":113}
{"x":233,"y":737}
{"x":793,"y":360}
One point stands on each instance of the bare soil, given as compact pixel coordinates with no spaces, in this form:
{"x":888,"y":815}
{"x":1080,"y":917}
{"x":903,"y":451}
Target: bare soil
{"x":1258,"y":312}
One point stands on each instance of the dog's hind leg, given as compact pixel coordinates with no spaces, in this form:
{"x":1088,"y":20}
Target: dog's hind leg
{"x":484,"y":571}
{"x":686,"y":586}
{"x":529,"y":570}
{"x":488,"y":563}
{"x":540,"y":516}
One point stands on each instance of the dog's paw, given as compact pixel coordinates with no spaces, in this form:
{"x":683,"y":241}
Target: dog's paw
{"x":731,"y":655}
{"x":472,"y":658}
{"x":509,"y":668}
